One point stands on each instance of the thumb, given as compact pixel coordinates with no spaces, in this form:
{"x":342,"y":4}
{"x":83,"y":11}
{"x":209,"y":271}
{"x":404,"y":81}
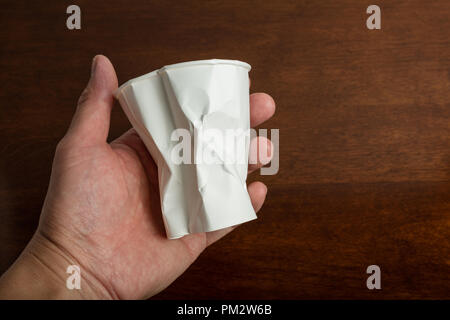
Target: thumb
{"x":90,"y":124}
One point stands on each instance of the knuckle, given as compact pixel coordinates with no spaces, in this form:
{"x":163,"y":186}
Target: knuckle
{"x":84,"y":96}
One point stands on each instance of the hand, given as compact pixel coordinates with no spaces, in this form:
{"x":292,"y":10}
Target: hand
{"x":102,"y":210}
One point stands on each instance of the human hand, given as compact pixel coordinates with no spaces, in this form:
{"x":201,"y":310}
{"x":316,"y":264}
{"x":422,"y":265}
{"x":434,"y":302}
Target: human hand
{"x":102,"y":210}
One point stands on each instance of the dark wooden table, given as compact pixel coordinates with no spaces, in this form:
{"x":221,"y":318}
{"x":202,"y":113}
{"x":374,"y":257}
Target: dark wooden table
{"x":364,"y":120}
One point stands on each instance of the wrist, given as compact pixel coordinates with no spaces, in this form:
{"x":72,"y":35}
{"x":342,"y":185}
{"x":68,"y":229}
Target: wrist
{"x":40,"y":272}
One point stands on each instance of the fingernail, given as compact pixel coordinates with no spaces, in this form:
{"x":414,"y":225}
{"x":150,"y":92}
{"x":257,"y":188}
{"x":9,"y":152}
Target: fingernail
{"x":94,"y":65}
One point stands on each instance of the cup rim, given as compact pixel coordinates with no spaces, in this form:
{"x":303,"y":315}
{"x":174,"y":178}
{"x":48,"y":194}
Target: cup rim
{"x":210,"y":61}
{"x":181,"y":65}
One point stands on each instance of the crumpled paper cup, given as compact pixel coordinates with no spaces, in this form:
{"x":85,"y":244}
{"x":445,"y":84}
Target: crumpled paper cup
{"x":193,"y":98}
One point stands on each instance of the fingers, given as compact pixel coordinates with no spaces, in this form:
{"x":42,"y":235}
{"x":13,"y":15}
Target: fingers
{"x":262,"y":107}
{"x":260,"y":153}
{"x":257,"y":191}
{"x":90,"y":124}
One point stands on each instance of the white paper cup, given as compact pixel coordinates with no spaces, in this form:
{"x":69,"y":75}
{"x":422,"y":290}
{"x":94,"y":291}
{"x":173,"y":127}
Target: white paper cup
{"x":198,"y":96}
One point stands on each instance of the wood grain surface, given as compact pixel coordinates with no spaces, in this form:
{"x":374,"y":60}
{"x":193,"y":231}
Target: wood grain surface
{"x":364,"y":119}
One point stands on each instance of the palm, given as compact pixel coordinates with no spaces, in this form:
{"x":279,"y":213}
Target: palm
{"x":119,"y":222}
{"x":103,"y":208}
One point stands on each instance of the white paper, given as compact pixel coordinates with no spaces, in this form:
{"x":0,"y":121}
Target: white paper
{"x":196,"y":96}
